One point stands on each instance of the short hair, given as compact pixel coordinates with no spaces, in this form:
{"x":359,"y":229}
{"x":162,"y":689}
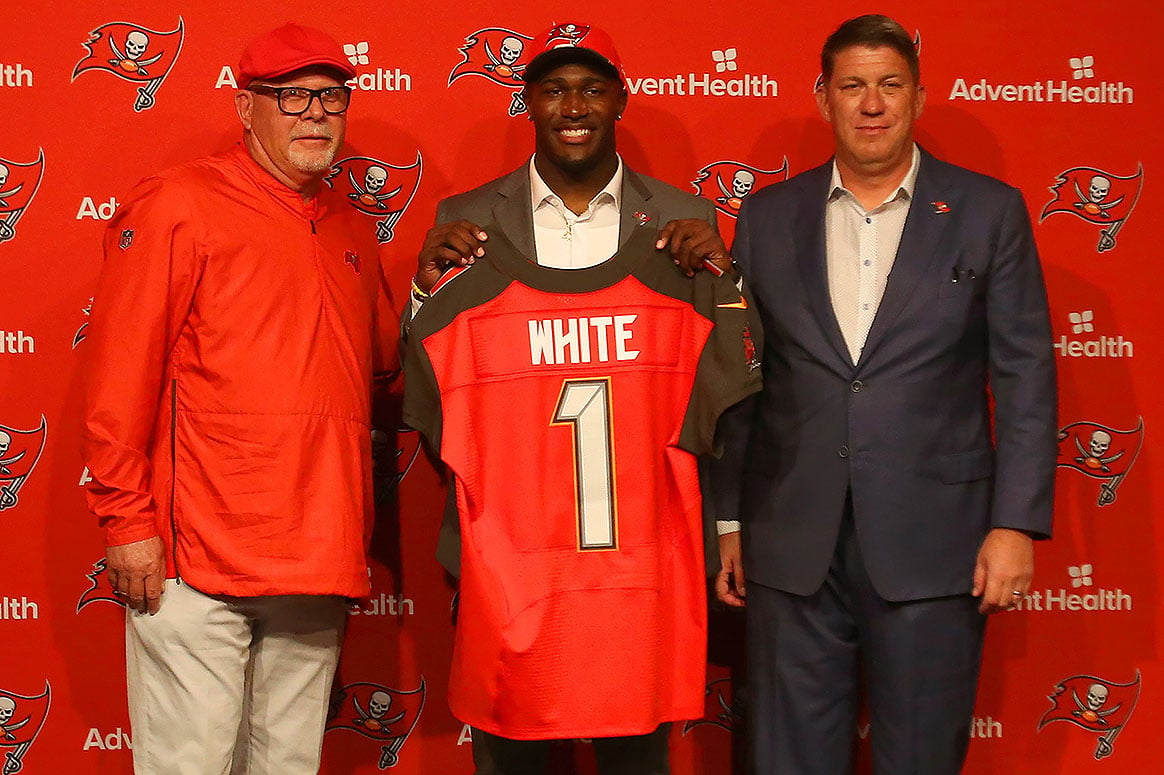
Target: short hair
{"x":870,"y":31}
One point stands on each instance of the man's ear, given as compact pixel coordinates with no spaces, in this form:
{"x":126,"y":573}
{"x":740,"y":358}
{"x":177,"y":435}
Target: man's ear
{"x":244,"y":105}
{"x":822,"y":102}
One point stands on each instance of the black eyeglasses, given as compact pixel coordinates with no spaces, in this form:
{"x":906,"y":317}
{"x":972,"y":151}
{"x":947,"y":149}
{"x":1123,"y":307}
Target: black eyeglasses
{"x":295,"y":100}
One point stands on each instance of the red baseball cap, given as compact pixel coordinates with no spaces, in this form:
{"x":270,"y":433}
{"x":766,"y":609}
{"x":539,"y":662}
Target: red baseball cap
{"x":289,"y":48}
{"x":573,"y":44}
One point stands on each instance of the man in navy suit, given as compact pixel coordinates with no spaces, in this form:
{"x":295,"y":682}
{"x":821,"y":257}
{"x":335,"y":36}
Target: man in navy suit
{"x":881,"y":523}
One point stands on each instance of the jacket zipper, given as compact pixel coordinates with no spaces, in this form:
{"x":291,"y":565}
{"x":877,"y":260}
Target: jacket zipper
{"x":174,"y":476}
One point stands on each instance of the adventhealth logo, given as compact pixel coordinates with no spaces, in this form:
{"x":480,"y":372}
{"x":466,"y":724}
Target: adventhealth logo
{"x":1080,"y":594}
{"x":1051,"y":90}
{"x":707,"y":84}
{"x":1082,"y":323}
{"x":359,"y":54}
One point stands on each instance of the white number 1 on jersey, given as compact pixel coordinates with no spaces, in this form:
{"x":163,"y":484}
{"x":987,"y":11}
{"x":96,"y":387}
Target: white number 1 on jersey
{"x":585,"y":404}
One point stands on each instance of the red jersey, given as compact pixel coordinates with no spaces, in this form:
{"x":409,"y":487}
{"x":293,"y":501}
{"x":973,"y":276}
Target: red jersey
{"x":570,"y":406}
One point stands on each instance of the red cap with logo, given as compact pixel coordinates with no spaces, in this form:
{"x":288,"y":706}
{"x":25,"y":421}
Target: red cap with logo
{"x":573,"y":44}
{"x":289,"y":48}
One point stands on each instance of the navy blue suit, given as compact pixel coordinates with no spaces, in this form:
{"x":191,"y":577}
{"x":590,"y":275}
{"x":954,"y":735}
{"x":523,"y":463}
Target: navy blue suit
{"x":864,"y":486}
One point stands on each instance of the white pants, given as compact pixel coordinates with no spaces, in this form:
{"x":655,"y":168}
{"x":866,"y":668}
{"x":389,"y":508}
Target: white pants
{"x":208,"y":675}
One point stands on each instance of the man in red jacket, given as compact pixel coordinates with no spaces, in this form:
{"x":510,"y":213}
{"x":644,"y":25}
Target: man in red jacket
{"x":240,"y":319}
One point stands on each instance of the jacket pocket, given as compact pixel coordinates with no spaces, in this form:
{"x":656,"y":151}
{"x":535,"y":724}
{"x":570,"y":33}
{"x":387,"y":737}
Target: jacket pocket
{"x":966,"y":466}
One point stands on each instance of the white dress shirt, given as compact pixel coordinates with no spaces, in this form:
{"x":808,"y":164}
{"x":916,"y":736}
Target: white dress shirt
{"x":563,"y":240}
{"x":860,"y":247}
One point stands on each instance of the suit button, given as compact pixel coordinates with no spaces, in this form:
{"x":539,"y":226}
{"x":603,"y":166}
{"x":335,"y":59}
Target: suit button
{"x":843,"y":451}
{"x":856,"y":386}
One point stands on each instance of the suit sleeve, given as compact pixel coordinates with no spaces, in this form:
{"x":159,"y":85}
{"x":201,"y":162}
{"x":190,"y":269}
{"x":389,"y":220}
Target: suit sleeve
{"x":1022,"y":379}
{"x":153,"y":261}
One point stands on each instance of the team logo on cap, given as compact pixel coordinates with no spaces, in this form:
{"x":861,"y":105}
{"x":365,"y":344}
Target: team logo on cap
{"x":21,"y":718}
{"x":19,"y":454}
{"x":1095,"y":705}
{"x":499,"y":55}
{"x":1097,"y":197}
{"x":379,"y":713}
{"x":728,"y":183}
{"x":377,"y":189}
{"x":19,"y":183}
{"x":133,"y":53}
{"x":1100,"y":452}
{"x":719,"y":708}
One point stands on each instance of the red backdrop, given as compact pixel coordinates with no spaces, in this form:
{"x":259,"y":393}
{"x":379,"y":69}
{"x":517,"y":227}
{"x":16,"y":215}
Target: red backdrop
{"x":1047,"y":95}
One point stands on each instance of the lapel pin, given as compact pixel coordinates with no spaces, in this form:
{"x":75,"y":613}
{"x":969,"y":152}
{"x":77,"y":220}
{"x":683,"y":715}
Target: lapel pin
{"x":940,"y":207}
{"x":642,"y":218}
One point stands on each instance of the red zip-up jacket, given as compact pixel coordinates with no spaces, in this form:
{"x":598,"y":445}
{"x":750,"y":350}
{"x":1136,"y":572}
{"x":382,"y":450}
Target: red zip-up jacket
{"x":232,"y":342}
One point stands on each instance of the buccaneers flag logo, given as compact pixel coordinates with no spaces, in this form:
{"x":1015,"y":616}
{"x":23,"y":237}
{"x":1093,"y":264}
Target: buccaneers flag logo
{"x":133,"y":53}
{"x":385,"y":715}
{"x":97,"y":590}
{"x":719,"y":709}
{"x":1095,"y":705}
{"x":1100,"y":452}
{"x":728,"y":183}
{"x":377,"y":188}
{"x":1097,"y":197}
{"x":499,"y":55}
{"x":21,"y":718}
{"x":18,"y":185}
{"x":19,"y":453}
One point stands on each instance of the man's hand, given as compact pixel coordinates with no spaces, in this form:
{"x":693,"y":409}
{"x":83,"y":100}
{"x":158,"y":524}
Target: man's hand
{"x":692,"y":240}
{"x":1006,"y":564}
{"x":729,"y":582}
{"x":137,"y":573}
{"x":448,"y":244}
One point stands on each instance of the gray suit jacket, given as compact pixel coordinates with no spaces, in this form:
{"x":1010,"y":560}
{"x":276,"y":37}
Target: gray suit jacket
{"x":504,"y":204}
{"x":908,"y":429}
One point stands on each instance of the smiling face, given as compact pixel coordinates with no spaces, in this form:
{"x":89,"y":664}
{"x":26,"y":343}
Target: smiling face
{"x":872,"y":101}
{"x":297,"y":150}
{"x":574,"y":109}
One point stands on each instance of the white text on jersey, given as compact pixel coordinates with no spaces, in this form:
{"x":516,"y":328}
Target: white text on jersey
{"x":581,"y":340}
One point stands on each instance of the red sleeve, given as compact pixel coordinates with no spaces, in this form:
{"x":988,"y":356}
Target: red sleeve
{"x":153,"y":261}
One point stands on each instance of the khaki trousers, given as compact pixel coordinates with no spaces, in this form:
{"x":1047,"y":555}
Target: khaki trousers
{"x":231,"y":685}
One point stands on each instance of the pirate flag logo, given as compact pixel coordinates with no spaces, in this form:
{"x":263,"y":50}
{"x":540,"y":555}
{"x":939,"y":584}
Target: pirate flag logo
{"x":21,"y":718}
{"x":133,"y":53}
{"x":728,"y":183}
{"x":97,"y":591}
{"x":377,"y":188}
{"x":385,"y":715}
{"x":19,"y":453}
{"x":84,"y":328}
{"x":499,"y":55}
{"x":18,"y":185}
{"x":719,"y":709}
{"x":1100,"y":452}
{"x":1097,"y":197}
{"x":1095,"y":705}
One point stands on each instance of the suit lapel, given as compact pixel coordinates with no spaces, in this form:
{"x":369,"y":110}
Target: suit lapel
{"x":512,"y":213}
{"x":635,"y":209}
{"x":809,"y":236}
{"x":924,"y":229}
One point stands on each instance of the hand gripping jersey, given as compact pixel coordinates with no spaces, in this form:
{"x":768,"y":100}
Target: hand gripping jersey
{"x":570,"y":406}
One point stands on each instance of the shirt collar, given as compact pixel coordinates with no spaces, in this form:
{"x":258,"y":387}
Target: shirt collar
{"x":540,"y":193}
{"x":836,"y":187}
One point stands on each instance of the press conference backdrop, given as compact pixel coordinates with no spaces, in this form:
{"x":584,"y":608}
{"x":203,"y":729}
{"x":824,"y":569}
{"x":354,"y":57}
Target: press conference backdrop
{"x":1059,"y":98}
